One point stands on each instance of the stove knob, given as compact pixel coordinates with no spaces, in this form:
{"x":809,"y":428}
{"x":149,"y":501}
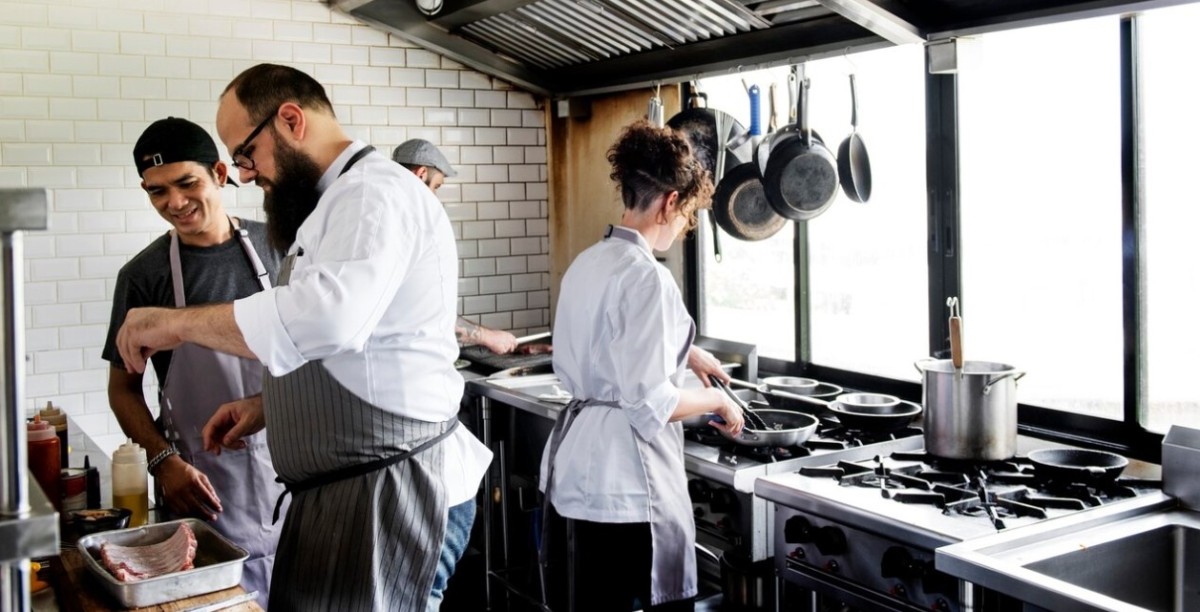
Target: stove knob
{"x":723,"y":500}
{"x":797,"y":530}
{"x":699,"y":491}
{"x":934,"y":581}
{"x":832,"y":566}
{"x":898,"y":563}
{"x":830,"y":540}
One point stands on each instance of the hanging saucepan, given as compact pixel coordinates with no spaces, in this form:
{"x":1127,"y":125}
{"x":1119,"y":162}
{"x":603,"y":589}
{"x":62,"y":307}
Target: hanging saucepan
{"x":1077,"y":465}
{"x":801,"y":178}
{"x":854,"y":165}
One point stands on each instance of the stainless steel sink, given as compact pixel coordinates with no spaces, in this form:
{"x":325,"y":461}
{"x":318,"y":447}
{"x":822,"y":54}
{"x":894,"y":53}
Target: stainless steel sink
{"x":1165,"y":576}
{"x":1137,"y":555}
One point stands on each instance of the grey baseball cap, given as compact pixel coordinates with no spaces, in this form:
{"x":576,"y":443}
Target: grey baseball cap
{"x":418,"y":152}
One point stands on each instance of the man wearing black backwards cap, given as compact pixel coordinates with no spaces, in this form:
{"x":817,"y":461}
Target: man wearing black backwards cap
{"x":206,"y":257}
{"x":428,"y":163}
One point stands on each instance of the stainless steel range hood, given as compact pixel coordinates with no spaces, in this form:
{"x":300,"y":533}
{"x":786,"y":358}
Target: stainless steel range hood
{"x":577,"y":47}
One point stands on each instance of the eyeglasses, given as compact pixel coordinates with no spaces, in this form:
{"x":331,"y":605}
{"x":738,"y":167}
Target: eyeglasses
{"x":241,"y":155}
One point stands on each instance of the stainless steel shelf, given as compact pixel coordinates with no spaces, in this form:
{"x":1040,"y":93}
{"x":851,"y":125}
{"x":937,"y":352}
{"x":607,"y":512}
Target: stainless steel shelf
{"x":35,"y":535}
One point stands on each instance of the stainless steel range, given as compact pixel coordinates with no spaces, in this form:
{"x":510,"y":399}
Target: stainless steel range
{"x":722,"y":476}
{"x":861,"y":534}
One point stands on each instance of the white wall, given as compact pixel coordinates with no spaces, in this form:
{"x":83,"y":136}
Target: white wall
{"x":81,"y":79}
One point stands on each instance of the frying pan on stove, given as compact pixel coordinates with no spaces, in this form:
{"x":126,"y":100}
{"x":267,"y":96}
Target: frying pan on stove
{"x":1077,"y":465}
{"x":784,"y":428}
{"x":890,"y":418}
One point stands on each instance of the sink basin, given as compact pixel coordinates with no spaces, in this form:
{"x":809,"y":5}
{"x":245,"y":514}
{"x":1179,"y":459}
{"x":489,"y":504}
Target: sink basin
{"x":1139,"y":554}
{"x":1157,"y":569}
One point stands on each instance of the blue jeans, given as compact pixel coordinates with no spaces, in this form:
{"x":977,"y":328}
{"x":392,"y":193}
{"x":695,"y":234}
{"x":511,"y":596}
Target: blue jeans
{"x":458,"y":532}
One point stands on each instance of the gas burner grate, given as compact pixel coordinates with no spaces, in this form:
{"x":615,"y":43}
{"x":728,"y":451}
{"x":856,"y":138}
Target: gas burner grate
{"x":996,"y":490}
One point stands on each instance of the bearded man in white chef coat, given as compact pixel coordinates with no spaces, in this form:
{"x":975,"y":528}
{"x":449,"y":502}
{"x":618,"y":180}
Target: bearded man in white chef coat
{"x":358,"y":342}
{"x":431,"y":166}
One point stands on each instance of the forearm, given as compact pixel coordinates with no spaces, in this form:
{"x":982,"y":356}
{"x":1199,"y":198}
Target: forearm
{"x":694,"y":402}
{"x":129,"y":406}
{"x":467,"y":332}
{"x":212,"y":326}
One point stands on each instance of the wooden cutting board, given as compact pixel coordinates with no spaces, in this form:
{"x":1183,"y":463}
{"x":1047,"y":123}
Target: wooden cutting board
{"x":78,"y":591}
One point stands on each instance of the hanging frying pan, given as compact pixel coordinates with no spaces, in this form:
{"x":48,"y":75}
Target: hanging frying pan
{"x":700,"y":124}
{"x":853,"y":163}
{"x":801,"y":178}
{"x":740,"y":204}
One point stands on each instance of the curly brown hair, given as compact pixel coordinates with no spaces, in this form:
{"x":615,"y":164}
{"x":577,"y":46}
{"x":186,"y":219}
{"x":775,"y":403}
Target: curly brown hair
{"x":648,"y":162}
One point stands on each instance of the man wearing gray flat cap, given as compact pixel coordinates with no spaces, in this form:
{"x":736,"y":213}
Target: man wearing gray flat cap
{"x":427,"y":162}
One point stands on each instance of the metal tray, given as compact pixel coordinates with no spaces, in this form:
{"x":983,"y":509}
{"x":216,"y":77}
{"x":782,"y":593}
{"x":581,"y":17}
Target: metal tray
{"x":218,"y":564}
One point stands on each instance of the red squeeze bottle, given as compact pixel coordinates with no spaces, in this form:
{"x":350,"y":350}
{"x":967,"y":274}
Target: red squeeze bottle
{"x":44,"y":459}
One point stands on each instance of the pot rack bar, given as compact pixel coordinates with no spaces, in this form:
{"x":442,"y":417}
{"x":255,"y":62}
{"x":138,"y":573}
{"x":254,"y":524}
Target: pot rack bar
{"x":26,"y":529}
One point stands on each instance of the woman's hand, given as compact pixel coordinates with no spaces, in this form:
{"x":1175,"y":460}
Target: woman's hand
{"x":731,"y":413}
{"x":704,"y":365}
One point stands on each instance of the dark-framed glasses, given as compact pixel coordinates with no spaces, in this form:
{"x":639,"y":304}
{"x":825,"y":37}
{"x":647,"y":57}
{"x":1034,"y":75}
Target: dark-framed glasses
{"x":241,"y":155}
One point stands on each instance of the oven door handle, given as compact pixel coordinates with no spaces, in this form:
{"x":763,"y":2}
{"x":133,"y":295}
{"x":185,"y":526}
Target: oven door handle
{"x":704,"y":551}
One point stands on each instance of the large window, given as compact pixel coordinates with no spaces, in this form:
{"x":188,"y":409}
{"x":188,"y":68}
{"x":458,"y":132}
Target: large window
{"x":1040,"y":142}
{"x":866,"y":262}
{"x":1170,"y":98}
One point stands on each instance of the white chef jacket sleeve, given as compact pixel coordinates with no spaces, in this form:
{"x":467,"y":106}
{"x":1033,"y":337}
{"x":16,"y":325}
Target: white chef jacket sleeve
{"x":372,"y":231}
{"x":643,"y":353}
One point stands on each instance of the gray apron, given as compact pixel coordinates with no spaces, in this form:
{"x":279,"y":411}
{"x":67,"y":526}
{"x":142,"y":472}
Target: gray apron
{"x":198,"y":382}
{"x":672,"y":524}
{"x":368,"y":509}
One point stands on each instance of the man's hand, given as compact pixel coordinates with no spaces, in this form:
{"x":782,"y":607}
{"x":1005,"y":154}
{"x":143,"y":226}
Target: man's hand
{"x":187,"y":489}
{"x":232,"y":422}
{"x":145,"y":332}
{"x":704,"y":364}
{"x":497,"y":341}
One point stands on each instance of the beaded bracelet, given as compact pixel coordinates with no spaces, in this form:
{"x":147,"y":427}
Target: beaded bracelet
{"x":159,"y":458}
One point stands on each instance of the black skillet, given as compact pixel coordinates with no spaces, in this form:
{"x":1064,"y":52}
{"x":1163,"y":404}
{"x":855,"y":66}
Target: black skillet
{"x":1077,"y":465}
{"x":801,"y":178}
{"x":854,"y":165}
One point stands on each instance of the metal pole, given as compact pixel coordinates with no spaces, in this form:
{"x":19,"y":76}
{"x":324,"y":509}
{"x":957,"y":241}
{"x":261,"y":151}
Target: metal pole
{"x":20,"y":209}
{"x":14,"y":492}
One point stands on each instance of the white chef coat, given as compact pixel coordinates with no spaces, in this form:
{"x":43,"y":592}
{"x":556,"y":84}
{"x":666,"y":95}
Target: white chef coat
{"x":373,"y":296}
{"x":619,"y":331}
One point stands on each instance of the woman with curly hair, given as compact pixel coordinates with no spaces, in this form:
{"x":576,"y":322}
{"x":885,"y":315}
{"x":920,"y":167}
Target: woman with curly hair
{"x":622,"y":338}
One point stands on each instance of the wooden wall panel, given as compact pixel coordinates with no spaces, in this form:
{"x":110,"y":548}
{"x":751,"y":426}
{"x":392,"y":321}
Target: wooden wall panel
{"x":583,"y":200}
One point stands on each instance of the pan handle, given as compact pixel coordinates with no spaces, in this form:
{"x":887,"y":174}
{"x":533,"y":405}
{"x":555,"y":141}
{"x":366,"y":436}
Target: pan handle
{"x":1015,"y":375}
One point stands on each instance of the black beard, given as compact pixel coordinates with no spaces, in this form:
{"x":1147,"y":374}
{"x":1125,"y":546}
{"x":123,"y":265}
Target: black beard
{"x":292,"y":197}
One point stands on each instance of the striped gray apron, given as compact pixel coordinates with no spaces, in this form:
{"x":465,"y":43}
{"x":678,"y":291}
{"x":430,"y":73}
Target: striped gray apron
{"x":198,"y":382}
{"x":368,"y":510}
{"x":672,"y":524}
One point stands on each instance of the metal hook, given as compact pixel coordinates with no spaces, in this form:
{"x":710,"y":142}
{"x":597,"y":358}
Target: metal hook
{"x":846,"y":56}
{"x":952,"y":304}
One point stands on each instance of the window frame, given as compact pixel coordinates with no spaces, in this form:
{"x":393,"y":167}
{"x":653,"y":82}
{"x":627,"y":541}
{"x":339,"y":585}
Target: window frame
{"x":1127,"y":436}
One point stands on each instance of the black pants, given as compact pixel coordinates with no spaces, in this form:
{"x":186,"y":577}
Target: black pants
{"x":612,"y":567}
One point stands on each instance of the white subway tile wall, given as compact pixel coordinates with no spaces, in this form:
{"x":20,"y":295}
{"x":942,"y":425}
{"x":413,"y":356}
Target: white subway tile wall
{"x":81,"y":79}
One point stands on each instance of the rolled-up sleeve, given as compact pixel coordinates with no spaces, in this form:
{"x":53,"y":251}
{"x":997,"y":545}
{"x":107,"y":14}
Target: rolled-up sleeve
{"x":640,"y":338}
{"x":347,"y":280}
{"x":257,"y":317}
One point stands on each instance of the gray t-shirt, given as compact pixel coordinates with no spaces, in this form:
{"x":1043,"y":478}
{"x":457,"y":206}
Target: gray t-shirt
{"x":215,"y":274}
